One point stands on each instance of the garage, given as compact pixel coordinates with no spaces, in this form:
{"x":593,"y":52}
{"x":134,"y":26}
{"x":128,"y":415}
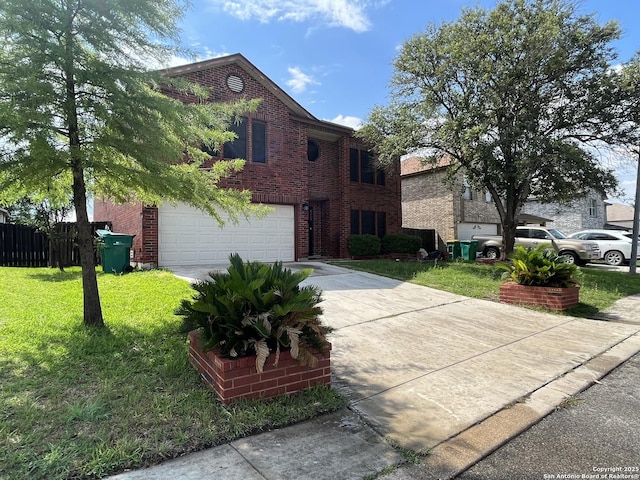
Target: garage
{"x":467,"y":230}
{"x":187,"y":236}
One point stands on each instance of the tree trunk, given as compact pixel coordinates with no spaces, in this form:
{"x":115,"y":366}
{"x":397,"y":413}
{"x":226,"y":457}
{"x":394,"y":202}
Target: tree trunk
{"x":91,"y":298}
{"x":508,"y":239}
{"x":509,"y":225}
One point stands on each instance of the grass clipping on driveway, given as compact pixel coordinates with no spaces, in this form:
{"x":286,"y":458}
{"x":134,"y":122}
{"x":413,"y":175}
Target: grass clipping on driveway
{"x":84,"y":403}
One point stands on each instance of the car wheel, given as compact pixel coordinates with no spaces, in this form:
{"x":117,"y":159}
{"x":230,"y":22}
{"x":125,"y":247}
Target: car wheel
{"x":614,"y":258}
{"x":492,"y":252}
{"x":570,"y":258}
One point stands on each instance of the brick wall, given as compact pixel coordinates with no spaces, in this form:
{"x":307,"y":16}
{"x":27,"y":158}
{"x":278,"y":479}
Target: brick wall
{"x":427,"y":203}
{"x":233,"y":379}
{"x":287,"y":177}
{"x":323,"y":184}
{"x":549,"y":297}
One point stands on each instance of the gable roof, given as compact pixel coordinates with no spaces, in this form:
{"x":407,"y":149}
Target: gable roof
{"x":327,"y":128}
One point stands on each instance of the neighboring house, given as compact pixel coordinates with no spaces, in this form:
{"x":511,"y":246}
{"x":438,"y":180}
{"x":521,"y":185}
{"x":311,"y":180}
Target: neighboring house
{"x":4,"y":215}
{"x":315,"y":175}
{"x":584,"y":213}
{"x":619,"y":216}
{"x":455,"y":213}
{"x":458,"y":212}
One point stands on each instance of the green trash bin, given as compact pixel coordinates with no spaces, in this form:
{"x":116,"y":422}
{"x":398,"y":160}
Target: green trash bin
{"x":115,"y":250}
{"x":468,"y":249}
{"x":453,"y":250}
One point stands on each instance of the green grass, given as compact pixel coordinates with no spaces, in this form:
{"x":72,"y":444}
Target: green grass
{"x":77,"y":402}
{"x":599,"y":288}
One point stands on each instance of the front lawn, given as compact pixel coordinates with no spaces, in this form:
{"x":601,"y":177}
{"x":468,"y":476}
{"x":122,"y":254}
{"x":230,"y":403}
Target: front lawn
{"x":86,"y":403}
{"x":599,"y":288}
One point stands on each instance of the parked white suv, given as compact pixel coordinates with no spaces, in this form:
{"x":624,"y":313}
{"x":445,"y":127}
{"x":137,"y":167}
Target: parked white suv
{"x":615,"y":245}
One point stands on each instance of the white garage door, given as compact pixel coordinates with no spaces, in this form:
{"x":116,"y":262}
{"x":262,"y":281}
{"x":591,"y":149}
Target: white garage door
{"x":467,"y":230}
{"x":187,"y":236}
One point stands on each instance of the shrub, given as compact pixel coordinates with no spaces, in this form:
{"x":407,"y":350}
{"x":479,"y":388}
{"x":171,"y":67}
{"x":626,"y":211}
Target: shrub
{"x":257,"y":308}
{"x":361,"y":245}
{"x":401,"y":243}
{"x":541,"y":267}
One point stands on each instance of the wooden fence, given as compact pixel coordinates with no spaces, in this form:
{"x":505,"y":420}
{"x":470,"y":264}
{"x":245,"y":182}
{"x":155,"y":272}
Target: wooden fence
{"x":22,"y":246}
{"x":429,"y":237}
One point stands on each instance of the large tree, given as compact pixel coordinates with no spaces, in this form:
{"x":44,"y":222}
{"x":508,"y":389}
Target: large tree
{"x":77,"y":99}
{"x":518,"y":99}
{"x":628,"y":82}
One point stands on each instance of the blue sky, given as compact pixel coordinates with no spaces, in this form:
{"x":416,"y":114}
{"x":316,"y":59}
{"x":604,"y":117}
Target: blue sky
{"x":334,"y":57}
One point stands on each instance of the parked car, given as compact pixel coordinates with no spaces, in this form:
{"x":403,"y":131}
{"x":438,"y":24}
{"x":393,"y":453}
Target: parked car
{"x":575,"y":251}
{"x":615,"y":245}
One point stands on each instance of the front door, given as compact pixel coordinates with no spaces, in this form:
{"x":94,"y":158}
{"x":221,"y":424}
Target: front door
{"x":311,"y":231}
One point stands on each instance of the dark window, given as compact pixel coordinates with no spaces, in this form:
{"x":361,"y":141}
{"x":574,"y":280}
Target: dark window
{"x":354,"y":165}
{"x":313,"y":150}
{"x":368,"y":222}
{"x":538,"y":234}
{"x":362,"y":168}
{"x":382,"y":224}
{"x":522,"y":233}
{"x":237,"y":148}
{"x":355,"y":222}
{"x":602,"y":236}
{"x":367,"y":174}
{"x":258,"y":142}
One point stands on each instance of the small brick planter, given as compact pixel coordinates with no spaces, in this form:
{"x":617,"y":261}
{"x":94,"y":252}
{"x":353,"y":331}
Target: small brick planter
{"x":233,"y":379}
{"x":552,"y":298}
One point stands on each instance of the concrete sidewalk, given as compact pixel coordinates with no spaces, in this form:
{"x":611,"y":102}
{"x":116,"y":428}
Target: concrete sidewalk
{"x":424,"y":370}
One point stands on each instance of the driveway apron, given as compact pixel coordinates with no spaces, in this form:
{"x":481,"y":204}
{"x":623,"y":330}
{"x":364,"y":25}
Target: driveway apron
{"x":422,"y":365}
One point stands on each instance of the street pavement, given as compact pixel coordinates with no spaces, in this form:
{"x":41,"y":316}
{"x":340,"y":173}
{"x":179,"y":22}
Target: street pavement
{"x":423,"y":370}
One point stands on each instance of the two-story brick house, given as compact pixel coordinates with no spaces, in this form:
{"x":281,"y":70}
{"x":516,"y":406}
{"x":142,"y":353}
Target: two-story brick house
{"x":317,"y":178}
{"x":458,"y":212}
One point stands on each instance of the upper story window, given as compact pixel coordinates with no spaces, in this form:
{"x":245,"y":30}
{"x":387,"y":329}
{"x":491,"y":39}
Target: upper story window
{"x":238,"y":147}
{"x":467,"y":194}
{"x":313,"y":150}
{"x":259,"y":142}
{"x":251,"y":141}
{"x":362,"y":168}
{"x":593,"y":207}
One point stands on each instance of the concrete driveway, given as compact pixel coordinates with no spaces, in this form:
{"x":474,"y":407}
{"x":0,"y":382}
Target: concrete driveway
{"x":430,"y":370}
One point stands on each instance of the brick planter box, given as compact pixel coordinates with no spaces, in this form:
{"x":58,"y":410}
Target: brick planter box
{"x":233,"y":379}
{"x":552,"y":298}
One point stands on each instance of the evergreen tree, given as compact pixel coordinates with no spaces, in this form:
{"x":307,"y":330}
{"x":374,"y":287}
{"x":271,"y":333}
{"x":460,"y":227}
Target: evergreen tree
{"x":77,"y":99}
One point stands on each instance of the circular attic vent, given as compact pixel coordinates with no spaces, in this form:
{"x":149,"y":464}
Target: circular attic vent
{"x":235,"y":83}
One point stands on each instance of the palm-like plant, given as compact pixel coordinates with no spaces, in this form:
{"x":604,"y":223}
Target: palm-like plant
{"x":257,"y":308}
{"x":541,"y":267}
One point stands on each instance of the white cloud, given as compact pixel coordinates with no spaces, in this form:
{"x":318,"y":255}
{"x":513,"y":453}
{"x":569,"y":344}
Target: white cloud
{"x":348,"y":121}
{"x":336,"y":13}
{"x":299,"y":80}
